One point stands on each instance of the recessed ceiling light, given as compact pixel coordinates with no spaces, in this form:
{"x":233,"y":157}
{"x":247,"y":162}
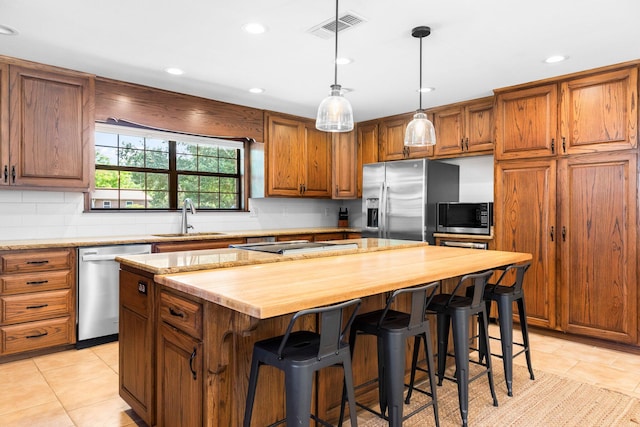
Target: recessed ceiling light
{"x":174,"y":71}
{"x":555,"y":58}
{"x":8,"y":31}
{"x":426,"y":89}
{"x":254,"y":28}
{"x":256,"y":90}
{"x":344,"y":61}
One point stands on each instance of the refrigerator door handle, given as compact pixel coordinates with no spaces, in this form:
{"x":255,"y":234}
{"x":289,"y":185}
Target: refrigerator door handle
{"x":381,"y":212}
{"x":385,"y":210}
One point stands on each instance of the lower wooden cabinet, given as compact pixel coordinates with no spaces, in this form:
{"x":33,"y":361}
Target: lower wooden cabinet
{"x":180,"y":378}
{"x":37,"y":300}
{"x":195,"y":245}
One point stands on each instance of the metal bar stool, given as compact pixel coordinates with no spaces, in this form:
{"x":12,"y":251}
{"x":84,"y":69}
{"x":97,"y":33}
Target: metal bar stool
{"x":300,"y":354}
{"x":458,"y":310}
{"x":392,"y":329}
{"x":505,"y":295}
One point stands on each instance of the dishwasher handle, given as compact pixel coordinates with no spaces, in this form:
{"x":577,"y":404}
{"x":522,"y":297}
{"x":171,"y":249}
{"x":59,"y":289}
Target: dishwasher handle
{"x":108,"y":257}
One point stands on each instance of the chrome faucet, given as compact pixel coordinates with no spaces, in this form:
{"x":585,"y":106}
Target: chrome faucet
{"x":185,"y":226}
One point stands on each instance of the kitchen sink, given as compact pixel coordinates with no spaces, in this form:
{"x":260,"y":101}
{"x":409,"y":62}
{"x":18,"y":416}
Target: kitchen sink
{"x":204,"y":233}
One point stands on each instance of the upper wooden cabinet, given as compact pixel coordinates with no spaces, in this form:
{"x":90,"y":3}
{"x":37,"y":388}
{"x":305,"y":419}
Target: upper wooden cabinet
{"x":391,"y":132}
{"x":367,"y":148}
{"x":49,"y":116}
{"x":463,"y":128}
{"x":587,"y":113}
{"x":344,"y":174}
{"x":297,"y":158}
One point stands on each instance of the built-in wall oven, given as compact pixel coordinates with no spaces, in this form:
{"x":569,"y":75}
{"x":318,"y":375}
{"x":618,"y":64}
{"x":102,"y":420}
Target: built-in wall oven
{"x":98,"y":292}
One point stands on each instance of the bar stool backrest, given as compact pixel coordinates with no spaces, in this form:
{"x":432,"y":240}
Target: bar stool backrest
{"x":520,"y":269}
{"x":331,"y":331}
{"x":479,"y":283}
{"x":420,"y":298}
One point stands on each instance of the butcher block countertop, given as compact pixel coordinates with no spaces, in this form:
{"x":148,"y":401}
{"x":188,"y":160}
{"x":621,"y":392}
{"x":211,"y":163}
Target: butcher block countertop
{"x":185,"y":261}
{"x":272,"y":289}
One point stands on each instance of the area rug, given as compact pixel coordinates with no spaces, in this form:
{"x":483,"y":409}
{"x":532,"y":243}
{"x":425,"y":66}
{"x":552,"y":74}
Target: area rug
{"x":549,"y":400}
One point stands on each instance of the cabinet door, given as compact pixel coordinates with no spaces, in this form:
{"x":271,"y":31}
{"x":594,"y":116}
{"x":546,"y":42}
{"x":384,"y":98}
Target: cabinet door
{"x":343,"y":166}
{"x":391,"y":133}
{"x":598,"y":296}
{"x":137,"y":345}
{"x":317,"y":162}
{"x":180,"y":381}
{"x":526,"y":122}
{"x":599,"y":113}
{"x":4,"y":124}
{"x":51,"y":128}
{"x":284,"y":154}
{"x":367,"y":148}
{"x":524,"y":217}
{"x":478,"y":126}
{"x":449,"y":127}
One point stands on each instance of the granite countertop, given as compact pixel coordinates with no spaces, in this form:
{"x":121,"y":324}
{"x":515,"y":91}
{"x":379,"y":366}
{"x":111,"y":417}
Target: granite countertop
{"x":160,"y":237}
{"x":210,"y":259}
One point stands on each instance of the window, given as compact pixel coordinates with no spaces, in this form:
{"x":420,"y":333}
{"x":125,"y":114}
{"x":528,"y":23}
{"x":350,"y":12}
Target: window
{"x":140,"y":169}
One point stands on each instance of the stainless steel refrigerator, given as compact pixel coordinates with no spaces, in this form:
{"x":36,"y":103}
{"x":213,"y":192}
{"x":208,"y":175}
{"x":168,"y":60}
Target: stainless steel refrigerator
{"x":399,"y":198}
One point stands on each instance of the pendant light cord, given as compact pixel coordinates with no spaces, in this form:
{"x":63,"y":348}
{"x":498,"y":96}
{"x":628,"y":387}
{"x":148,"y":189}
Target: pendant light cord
{"x":420,"y":88}
{"x":335,"y":59}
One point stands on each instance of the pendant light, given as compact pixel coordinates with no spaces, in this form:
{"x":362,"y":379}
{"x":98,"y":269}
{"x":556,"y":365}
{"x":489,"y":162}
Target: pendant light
{"x":335,"y":113}
{"x":420,"y":131}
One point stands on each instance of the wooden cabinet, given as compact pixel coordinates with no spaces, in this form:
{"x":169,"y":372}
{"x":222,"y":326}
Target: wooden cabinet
{"x":298,"y":158}
{"x":37,"y":300}
{"x":344,"y":174}
{"x":525,"y":221}
{"x":179,"y":361}
{"x":579,"y":214}
{"x":137,"y":344}
{"x":391,"y":132}
{"x":367,"y":148}
{"x":49,"y":116}
{"x":194,"y":245}
{"x":464,"y":128}
{"x":597,"y":242}
{"x":590,"y":112}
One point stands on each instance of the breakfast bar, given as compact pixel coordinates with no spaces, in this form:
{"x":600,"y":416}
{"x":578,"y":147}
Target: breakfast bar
{"x":198,"y":339}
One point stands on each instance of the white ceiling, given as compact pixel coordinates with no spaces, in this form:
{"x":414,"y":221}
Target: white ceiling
{"x":475,"y":46}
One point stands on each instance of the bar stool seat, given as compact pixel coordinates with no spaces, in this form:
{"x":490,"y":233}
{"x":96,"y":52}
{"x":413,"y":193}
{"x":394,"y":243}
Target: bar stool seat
{"x":505,"y":295}
{"x":300,"y":355}
{"x":457,"y":310}
{"x":392,"y":329}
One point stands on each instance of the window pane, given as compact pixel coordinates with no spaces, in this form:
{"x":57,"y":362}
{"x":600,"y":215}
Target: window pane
{"x":228,"y":185}
{"x":132,"y":180}
{"x":210,"y":184}
{"x":229,"y":153}
{"x":106,"y":139}
{"x":157,"y":145}
{"x":228,"y":166}
{"x":207,"y":150}
{"x":209,"y":200}
{"x":106,"y":156}
{"x":208,"y":164}
{"x":132,"y":158}
{"x":228,"y":201}
{"x":157,"y":160}
{"x":187,"y":183}
{"x":158,"y":199}
{"x":128,"y":141}
{"x":158,"y":181}
{"x":186,"y":162}
{"x":107,"y":179}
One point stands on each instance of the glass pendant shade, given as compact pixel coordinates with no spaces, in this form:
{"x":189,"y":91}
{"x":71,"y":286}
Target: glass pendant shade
{"x":335,"y":113}
{"x":420,"y":131}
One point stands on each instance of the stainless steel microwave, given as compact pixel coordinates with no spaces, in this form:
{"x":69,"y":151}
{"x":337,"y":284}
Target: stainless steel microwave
{"x":464,"y":218}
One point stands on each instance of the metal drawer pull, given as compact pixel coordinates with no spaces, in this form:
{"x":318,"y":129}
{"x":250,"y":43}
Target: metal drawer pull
{"x":29,"y":307}
{"x":175,"y":313}
{"x":38,"y":282}
{"x":193,"y":356}
{"x":38,"y":262}
{"x":43,"y":334}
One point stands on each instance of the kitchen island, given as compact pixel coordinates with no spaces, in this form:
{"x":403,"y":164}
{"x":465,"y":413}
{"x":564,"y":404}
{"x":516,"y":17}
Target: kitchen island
{"x":186,"y":338}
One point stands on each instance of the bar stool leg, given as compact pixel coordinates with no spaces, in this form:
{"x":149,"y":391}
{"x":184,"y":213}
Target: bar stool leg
{"x":251,"y":394}
{"x":525,"y":334}
{"x":348,"y":383}
{"x":505,"y":313}
{"x":484,"y":324}
{"x":298,"y":386}
{"x":442,"y":321}
{"x":394,"y":360}
{"x":414,"y":363}
{"x":461,"y":352}
{"x":432,"y":377}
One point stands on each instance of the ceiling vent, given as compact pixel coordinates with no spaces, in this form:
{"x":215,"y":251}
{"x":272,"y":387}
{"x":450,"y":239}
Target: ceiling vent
{"x":327,"y":29}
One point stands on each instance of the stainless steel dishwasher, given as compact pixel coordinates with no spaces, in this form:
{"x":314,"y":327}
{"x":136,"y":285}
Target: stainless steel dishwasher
{"x":98,"y":292}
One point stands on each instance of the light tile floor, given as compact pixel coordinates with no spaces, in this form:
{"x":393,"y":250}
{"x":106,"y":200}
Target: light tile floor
{"x":80,"y":387}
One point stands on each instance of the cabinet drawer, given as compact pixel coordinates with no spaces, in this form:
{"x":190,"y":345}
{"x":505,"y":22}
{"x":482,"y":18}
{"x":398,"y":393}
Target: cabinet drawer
{"x":36,"y":335}
{"x":182,"y":313}
{"x":23,"y":262}
{"x":35,"y":306}
{"x":35,"y":282}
